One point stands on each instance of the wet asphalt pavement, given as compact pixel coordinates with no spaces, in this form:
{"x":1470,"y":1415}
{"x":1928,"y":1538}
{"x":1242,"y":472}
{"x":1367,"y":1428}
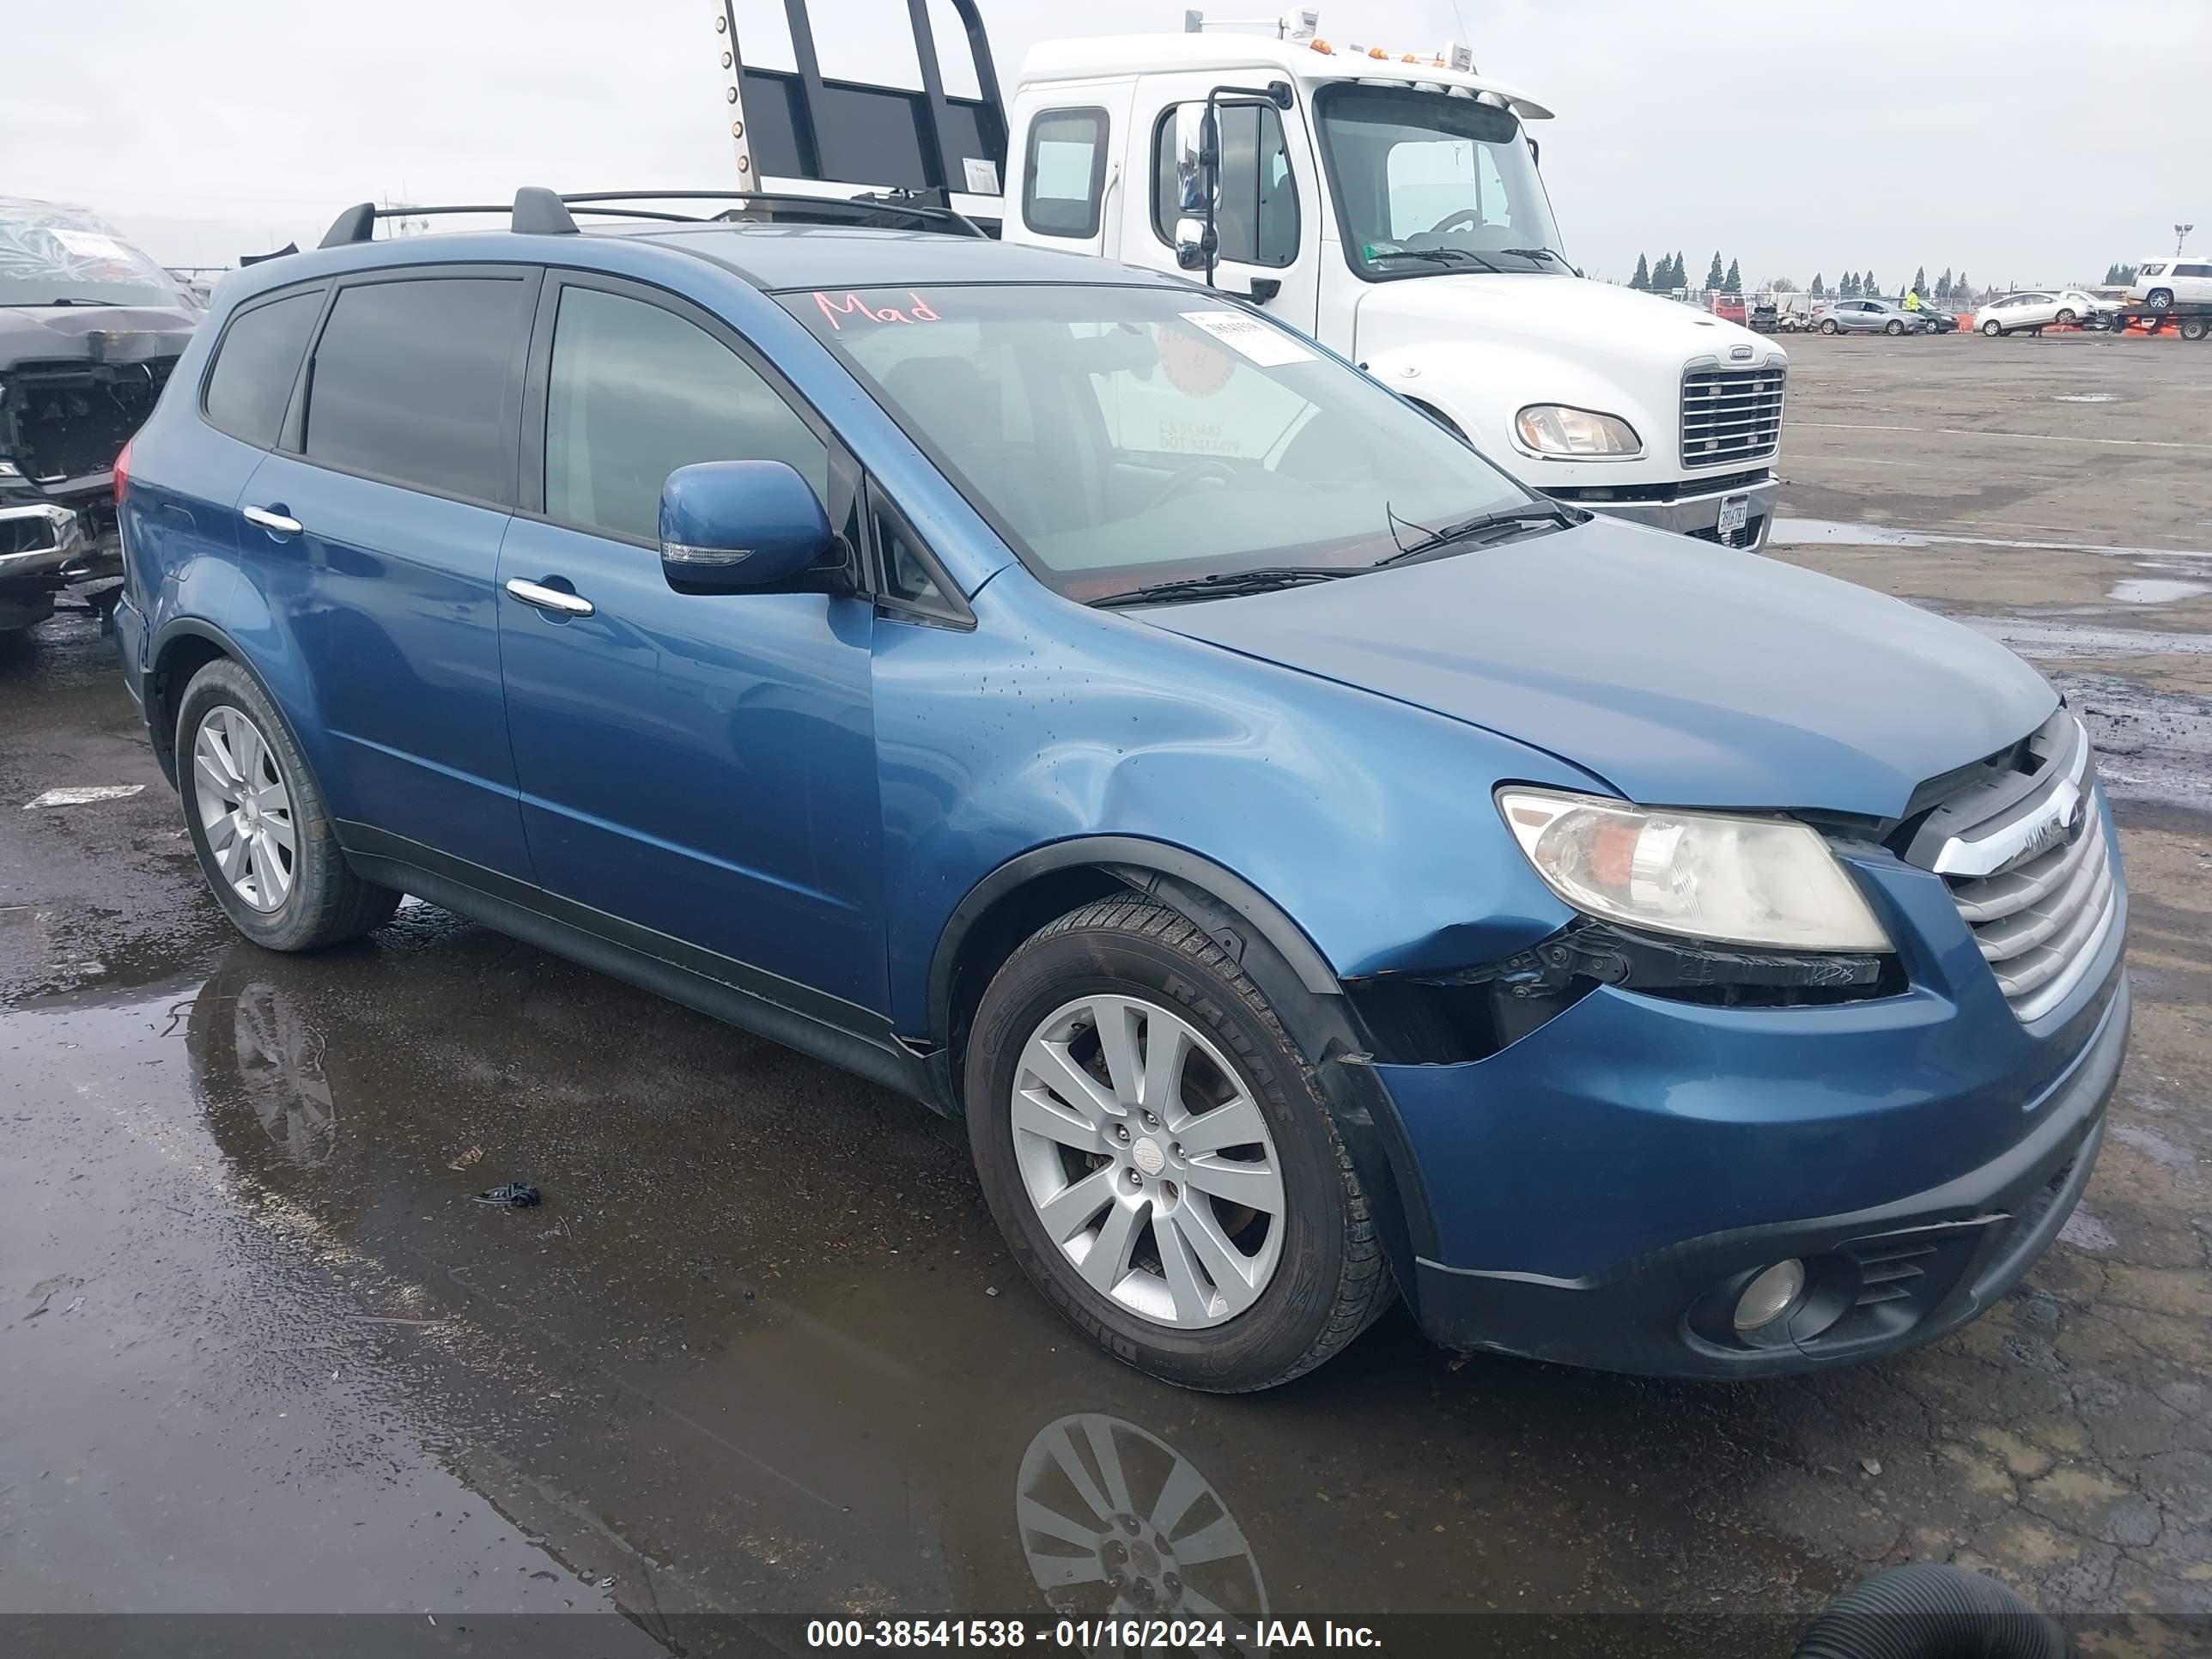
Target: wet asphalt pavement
{"x":759,"y":1351}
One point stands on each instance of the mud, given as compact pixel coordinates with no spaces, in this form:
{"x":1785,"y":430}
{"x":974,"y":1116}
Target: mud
{"x":760,"y":1351}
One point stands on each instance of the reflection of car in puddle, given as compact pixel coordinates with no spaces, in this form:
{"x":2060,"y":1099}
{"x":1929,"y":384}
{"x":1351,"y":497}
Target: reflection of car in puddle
{"x":254,"y":1047}
{"x":1116,"y":1524}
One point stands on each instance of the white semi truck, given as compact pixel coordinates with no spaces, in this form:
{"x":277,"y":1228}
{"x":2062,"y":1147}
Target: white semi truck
{"x":1388,"y":204}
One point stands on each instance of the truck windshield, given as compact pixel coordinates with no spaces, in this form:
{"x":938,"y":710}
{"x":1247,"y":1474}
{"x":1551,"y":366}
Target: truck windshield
{"x":1427,"y":182}
{"x":53,"y":255}
{"x":1119,"y":438}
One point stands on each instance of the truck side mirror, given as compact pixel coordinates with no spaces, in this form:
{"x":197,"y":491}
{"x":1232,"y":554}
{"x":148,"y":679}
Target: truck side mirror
{"x":1197,"y":244}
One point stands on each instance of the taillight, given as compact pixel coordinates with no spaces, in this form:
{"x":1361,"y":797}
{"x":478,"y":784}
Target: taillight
{"x":122,"y":472}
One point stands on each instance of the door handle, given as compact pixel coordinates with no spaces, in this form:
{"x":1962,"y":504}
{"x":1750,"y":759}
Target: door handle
{"x":275,"y":523}
{"x":550,"y":598}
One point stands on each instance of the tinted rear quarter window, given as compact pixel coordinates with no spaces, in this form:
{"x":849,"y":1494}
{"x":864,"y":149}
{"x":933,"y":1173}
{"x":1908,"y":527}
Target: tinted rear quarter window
{"x":256,"y":364}
{"x":411,"y":383}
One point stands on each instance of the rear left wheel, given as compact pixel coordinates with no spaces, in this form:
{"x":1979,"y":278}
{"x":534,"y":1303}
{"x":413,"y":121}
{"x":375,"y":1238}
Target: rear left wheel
{"x":1156,"y":1149}
{"x":258,"y":820}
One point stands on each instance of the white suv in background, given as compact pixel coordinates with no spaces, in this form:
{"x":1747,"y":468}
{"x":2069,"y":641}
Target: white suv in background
{"x":2162,"y":284}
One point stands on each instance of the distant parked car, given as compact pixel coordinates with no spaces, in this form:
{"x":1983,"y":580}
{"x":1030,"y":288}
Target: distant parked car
{"x":2038,"y":308}
{"x":1942,"y":322}
{"x":2161,"y":283}
{"x":1871,"y":316}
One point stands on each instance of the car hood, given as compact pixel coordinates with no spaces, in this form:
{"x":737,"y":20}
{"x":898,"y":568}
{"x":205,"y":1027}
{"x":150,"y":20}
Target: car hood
{"x":1678,"y":672}
{"x":1566,"y":316}
{"x":93,"y":334}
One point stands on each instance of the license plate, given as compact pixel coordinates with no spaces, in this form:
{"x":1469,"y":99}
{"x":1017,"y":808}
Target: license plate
{"x":1736,"y":512}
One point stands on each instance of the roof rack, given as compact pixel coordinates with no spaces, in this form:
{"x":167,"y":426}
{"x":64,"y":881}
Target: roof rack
{"x":539,"y":212}
{"x":924,"y":210}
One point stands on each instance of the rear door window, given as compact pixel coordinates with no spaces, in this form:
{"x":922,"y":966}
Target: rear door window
{"x":1067,"y":173}
{"x":255,"y":365}
{"x":412,"y":381}
{"x":636,"y":392}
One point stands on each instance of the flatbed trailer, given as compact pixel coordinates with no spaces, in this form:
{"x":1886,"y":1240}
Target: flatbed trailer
{"x":2191,"y":319}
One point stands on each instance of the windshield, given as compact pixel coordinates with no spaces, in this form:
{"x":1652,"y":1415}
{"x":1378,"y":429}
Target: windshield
{"x":1425,"y":174}
{"x":1122,"y":437}
{"x":49,"y":254}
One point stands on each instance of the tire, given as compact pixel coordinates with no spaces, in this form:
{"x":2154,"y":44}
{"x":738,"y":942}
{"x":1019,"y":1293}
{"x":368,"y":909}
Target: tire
{"x":295,"y":900}
{"x":2192,"y":328}
{"x":2159,"y":298}
{"x":2068,"y":317}
{"x":1895,"y":328}
{"x":1992,"y":330}
{"x":1926,"y":1610}
{"x":1828,"y":325}
{"x":1309,"y":1277}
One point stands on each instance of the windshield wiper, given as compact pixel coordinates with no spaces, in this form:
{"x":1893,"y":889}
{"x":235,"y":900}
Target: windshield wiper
{"x":1539,"y":253}
{"x":1446,"y":255}
{"x":64,"y":300}
{"x":1225,"y":583}
{"x":1487,"y":528}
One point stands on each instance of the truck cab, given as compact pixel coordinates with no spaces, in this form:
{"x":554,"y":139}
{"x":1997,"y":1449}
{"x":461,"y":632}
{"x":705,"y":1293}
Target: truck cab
{"x":1390,"y":205}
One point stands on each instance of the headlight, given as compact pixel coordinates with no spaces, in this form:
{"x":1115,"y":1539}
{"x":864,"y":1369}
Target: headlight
{"x":1735,"y":880}
{"x":1558,"y":429}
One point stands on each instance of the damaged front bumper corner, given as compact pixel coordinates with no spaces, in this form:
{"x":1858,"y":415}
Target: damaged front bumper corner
{"x":43,"y":549}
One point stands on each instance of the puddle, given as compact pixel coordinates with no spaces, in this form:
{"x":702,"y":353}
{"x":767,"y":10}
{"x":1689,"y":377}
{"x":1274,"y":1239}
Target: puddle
{"x":2155,"y":590}
{"x":1814,"y":532}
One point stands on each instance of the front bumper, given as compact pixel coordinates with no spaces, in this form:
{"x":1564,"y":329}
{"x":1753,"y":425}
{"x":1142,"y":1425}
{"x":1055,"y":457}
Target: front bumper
{"x":1598,"y":1190}
{"x":43,"y":549}
{"x":1697,"y":515}
{"x":1881,"y":1278}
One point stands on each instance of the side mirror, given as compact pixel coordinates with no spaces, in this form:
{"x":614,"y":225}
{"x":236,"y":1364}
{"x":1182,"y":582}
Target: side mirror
{"x":1196,"y":244}
{"x":739,"y":526}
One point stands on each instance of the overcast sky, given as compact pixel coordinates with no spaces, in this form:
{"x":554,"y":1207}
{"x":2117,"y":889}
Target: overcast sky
{"x":2020,"y":140}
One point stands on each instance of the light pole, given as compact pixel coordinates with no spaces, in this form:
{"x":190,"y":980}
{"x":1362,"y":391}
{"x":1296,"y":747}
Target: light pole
{"x":2181,"y":236}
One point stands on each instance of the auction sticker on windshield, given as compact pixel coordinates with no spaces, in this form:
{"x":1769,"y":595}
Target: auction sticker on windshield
{"x":1250,"y":339}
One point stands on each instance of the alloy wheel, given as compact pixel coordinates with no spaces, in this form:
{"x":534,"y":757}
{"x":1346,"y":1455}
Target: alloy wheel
{"x":245,"y":808}
{"x":1148,"y":1162}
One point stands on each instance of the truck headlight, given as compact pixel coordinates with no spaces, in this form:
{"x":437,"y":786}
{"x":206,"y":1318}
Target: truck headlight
{"x":1706,"y":875}
{"x":1562,"y":429}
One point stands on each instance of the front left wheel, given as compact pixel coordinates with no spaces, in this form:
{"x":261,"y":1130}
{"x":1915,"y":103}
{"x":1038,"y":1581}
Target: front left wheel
{"x":1895,"y":328}
{"x":258,"y":823}
{"x":1155,"y":1146}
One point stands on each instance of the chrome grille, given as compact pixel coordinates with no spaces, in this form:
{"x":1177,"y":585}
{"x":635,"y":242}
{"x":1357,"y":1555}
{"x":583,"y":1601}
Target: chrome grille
{"x":2036,"y":881}
{"x":1731,"y":414}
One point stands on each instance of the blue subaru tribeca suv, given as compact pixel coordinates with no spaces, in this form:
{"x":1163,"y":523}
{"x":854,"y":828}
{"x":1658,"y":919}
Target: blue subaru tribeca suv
{"x":1317,"y":870}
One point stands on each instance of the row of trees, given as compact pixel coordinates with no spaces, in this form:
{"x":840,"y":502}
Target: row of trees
{"x":1856,"y":285}
{"x":2119,"y":276}
{"x":1671,"y":273}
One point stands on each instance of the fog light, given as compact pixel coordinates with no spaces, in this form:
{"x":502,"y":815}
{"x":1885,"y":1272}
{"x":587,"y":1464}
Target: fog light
{"x":1770,"y":1295}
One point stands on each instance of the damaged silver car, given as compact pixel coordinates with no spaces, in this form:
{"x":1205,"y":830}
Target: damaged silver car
{"x":90,"y":327}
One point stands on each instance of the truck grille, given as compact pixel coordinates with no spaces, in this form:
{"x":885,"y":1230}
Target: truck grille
{"x":1731,"y":414}
{"x":2034,"y":879}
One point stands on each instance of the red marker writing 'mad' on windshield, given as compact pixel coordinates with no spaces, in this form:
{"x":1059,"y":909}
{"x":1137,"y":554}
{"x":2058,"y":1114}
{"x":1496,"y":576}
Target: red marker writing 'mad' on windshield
{"x":854,"y":305}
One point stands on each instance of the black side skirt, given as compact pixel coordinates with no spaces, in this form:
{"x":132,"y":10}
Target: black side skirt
{"x":842,"y":1033}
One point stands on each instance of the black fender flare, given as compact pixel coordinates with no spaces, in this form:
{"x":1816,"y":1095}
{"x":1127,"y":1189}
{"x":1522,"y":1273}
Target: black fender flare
{"x":1285,"y":964}
{"x":165,"y":743}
